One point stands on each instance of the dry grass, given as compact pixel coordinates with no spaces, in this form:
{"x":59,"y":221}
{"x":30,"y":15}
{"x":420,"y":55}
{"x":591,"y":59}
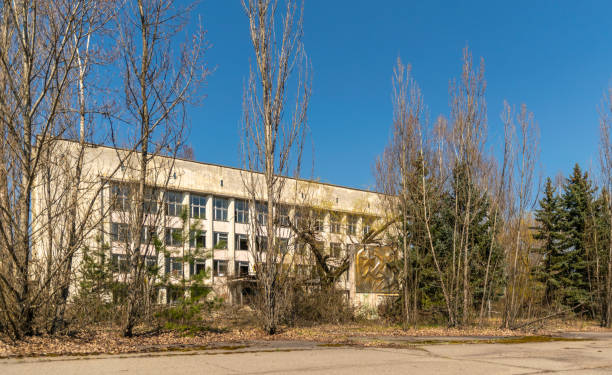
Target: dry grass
{"x":216,"y":334}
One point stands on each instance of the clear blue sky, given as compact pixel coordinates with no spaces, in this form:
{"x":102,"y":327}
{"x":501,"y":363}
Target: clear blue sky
{"x":555,"y":56}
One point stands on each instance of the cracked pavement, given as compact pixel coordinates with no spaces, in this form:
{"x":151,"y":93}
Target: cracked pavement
{"x":593,"y":355}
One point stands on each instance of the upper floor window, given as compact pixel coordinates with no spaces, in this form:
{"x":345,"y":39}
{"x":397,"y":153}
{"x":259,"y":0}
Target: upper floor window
{"x":262,"y":213}
{"x":120,"y":197}
{"x":197,"y":266}
{"x":198,"y":206}
{"x":174,"y":236}
{"x":262,"y":243}
{"x":335,"y":225}
{"x":351,"y":224}
{"x":150,"y":201}
{"x":119,"y":263}
{"x":242,"y":242}
{"x":147,"y":234}
{"x":367,"y":225}
{"x":174,"y":266}
{"x":197,"y":239}
{"x":174,"y":203}
{"x":120,"y":232}
{"x":220,"y":240}
{"x":241,"y":208}
{"x":319,"y":219}
{"x":220,"y":208}
{"x":283,"y":215}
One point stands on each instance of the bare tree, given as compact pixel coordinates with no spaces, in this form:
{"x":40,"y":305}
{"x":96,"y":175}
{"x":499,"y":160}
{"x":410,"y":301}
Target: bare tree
{"x":397,"y":172}
{"x":159,"y":81}
{"x":38,"y":57}
{"x":273,"y":137}
{"x":525,"y":147}
{"x":605,"y":159}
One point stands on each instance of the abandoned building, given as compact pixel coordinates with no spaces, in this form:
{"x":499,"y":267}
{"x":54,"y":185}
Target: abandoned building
{"x":209,"y":206}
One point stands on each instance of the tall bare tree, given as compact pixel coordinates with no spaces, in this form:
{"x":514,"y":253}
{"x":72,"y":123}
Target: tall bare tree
{"x":605,"y":159}
{"x":159,"y":82}
{"x":524,"y":136}
{"x":38,"y":57}
{"x":273,"y":135}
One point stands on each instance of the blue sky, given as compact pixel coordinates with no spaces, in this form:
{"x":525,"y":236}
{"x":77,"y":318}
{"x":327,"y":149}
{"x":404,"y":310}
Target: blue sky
{"x":554,"y":56}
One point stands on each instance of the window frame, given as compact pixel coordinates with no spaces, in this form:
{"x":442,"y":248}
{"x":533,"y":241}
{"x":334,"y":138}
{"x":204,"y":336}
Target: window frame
{"x":170,"y":239}
{"x":241,"y":211}
{"x":241,"y":237}
{"x":201,"y":208}
{"x":120,"y":197}
{"x":194,"y":236}
{"x":173,"y":203}
{"x":120,"y":232}
{"x":217,"y":267}
{"x":238,"y":267}
{"x":217,"y":240}
{"x":220,"y":212}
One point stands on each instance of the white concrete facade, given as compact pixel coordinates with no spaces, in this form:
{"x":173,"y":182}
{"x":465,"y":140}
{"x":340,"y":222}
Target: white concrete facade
{"x":220,"y":192}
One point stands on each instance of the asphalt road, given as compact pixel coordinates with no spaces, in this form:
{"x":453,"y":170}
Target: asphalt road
{"x":591,"y":356}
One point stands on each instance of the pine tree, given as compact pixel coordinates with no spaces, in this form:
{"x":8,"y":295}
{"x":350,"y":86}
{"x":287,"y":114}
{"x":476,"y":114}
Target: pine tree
{"x":574,"y":264}
{"x":549,"y":217}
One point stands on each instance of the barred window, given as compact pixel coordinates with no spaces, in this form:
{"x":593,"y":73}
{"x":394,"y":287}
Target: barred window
{"x":198,"y":206}
{"x":241,"y":208}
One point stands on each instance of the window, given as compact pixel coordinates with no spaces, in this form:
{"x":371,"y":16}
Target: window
{"x":241,"y":268}
{"x":262,"y":213}
{"x":174,"y":236}
{"x":334,"y":223}
{"x":197,"y":267}
{"x":150,"y":201}
{"x":242,"y":242}
{"x":367,"y":225}
{"x":351,"y":224}
{"x":220,"y":240}
{"x":262,"y":243}
{"x":220,"y":267}
{"x":119,"y":263}
{"x":198,"y":206}
{"x":147,"y":234}
{"x":283,"y":215}
{"x":241,"y":209}
{"x":318,"y":222}
{"x":120,"y":197}
{"x":174,"y":266}
{"x":220,"y":208}
{"x":151,"y":263}
{"x":197,"y":239}
{"x":335,"y":249}
{"x":174,"y":203}
{"x":120,"y":232}
{"x":283,"y":244}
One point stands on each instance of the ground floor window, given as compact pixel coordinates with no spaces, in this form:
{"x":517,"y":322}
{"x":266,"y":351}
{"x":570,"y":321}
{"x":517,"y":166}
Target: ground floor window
{"x":242,"y":268}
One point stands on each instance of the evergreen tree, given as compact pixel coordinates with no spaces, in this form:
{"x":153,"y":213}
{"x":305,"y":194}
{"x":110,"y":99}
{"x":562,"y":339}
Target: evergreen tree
{"x":573,"y":264}
{"x":549,"y":217}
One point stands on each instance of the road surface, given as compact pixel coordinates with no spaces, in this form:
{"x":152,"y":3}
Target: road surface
{"x":593,"y":355}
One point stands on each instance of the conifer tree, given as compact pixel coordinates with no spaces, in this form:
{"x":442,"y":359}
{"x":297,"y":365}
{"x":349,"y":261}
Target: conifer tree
{"x":573,"y":264}
{"x":549,"y":217}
